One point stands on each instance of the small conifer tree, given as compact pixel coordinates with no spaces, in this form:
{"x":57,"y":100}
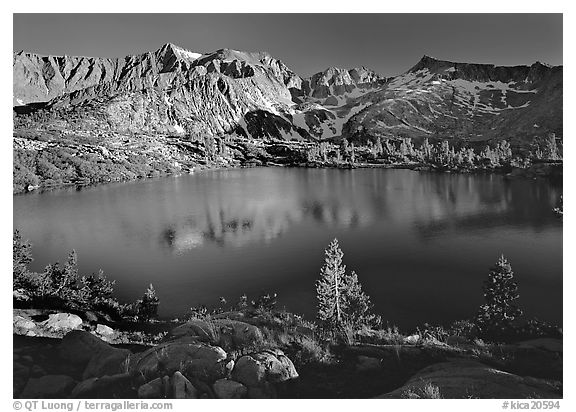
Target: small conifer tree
{"x":331,"y":286}
{"x":21,"y":258}
{"x":356,"y":302}
{"x":500,"y":291}
{"x":341,"y":299}
{"x":148,"y":305}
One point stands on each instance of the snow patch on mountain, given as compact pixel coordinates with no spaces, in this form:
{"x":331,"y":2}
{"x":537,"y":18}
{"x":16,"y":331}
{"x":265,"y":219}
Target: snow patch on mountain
{"x":186,"y":54}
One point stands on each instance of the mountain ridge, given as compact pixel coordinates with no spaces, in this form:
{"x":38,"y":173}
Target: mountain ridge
{"x":175,"y":90}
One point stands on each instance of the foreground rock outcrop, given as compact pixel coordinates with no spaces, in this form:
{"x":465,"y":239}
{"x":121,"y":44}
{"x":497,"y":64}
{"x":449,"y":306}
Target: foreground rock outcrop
{"x":188,"y":365}
{"x":468,"y":379}
{"x":236,"y":355}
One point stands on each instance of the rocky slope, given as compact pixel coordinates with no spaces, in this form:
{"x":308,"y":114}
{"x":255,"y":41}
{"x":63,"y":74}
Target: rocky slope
{"x":176,"y":91}
{"x":469,"y":102}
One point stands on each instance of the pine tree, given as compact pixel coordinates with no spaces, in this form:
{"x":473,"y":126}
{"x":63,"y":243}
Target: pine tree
{"x":340,"y":296}
{"x":426,"y":150}
{"x":148,"y":305}
{"x":357,"y":303}
{"x":331,"y":286}
{"x":500,"y":291}
{"x":378,"y":147}
{"x":21,"y":257}
{"x":550,"y":147}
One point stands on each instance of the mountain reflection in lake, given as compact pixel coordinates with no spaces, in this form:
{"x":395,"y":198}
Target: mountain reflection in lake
{"x":421,"y":243}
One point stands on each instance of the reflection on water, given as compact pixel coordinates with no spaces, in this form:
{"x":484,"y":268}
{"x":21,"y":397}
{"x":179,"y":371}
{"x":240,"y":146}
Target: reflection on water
{"x":250,"y":229}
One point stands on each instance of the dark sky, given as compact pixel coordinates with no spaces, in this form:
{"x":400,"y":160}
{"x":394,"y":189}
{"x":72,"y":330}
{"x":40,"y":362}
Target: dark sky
{"x":307,"y":43}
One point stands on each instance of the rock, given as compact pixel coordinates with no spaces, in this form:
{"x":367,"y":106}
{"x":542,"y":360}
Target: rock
{"x":226,"y":333}
{"x":181,"y":388}
{"x":549,"y":344}
{"x":48,"y":387}
{"x":412,"y":339}
{"x":104,"y":330}
{"x":368,"y":364}
{"x":249,"y":371}
{"x":194,"y":328}
{"x":27,"y":359}
{"x":62,"y":322}
{"x":37,"y":371}
{"x":106,"y":333}
{"x":20,"y":295}
{"x":20,"y":375}
{"x":21,"y":325}
{"x":91,"y":316}
{"x":83,"y":348}
{"x":78,"y":346}
{"x":194,"y":360}
{"x":153,"y":389}
{"x":262,"y":369}
{"x":265,"y":391}
{"x":104,"y":387}
{"x":110,"y":362}
{"x":229,"y":389}
{"x":464,"y":379}
{"x":85,"y":389}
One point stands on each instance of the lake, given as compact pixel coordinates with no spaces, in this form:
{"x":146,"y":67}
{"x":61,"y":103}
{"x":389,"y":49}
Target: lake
{"x":421,"y":243}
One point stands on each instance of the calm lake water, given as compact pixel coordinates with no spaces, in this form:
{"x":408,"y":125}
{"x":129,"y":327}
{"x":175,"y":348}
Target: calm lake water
{"x":421,"y":243}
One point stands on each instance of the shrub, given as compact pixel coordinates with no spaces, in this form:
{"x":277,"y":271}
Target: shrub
{"x":429,"y":391}
{"x":265,"y":302}
{"x":61,"y":287}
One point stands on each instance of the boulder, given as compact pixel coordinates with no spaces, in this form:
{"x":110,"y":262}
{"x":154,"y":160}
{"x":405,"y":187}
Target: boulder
{"x":465,"y":379}
{"x":412,"y":339}
{"x":229,"y":389}
{"x":37,"y":371}
{"x":549,"y":344}
{"x":79,"y":346}
{"x":368,"y":364}
{"x":106,"y":333}
{"x":20,"y":375}
{"x":262,"y":370}
{"x":48,"y":387}
{"x":227,"y":333}
{"x":21,"y":325}
{"x":110,"y":362}
{"x":104,"y":330}
{"x":82,"y":348}
{"x":91,"y":316}
{"x":181,"y":388}
{"x":155,"y":389}
{"x":104,"y":387}
{"x":20,"y":295}
{"x":195,"y":360}
{"x":62,"y":322}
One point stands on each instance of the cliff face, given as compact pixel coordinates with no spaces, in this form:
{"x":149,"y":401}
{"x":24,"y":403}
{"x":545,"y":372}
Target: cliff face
{"x":176,"y":91}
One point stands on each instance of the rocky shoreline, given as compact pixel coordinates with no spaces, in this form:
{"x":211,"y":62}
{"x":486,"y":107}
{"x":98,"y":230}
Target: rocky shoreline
{"x":119,"y":158}
{"x":244,"y":354}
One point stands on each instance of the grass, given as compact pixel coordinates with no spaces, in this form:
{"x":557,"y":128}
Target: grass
{"x":428,"y":391}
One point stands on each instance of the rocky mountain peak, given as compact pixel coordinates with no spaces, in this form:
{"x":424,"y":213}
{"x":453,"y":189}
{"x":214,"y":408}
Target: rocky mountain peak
{"x":170,"y":49}
{"x":481,"y":72}
{"x":175,"y":90}
{"x":335,"y":81}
